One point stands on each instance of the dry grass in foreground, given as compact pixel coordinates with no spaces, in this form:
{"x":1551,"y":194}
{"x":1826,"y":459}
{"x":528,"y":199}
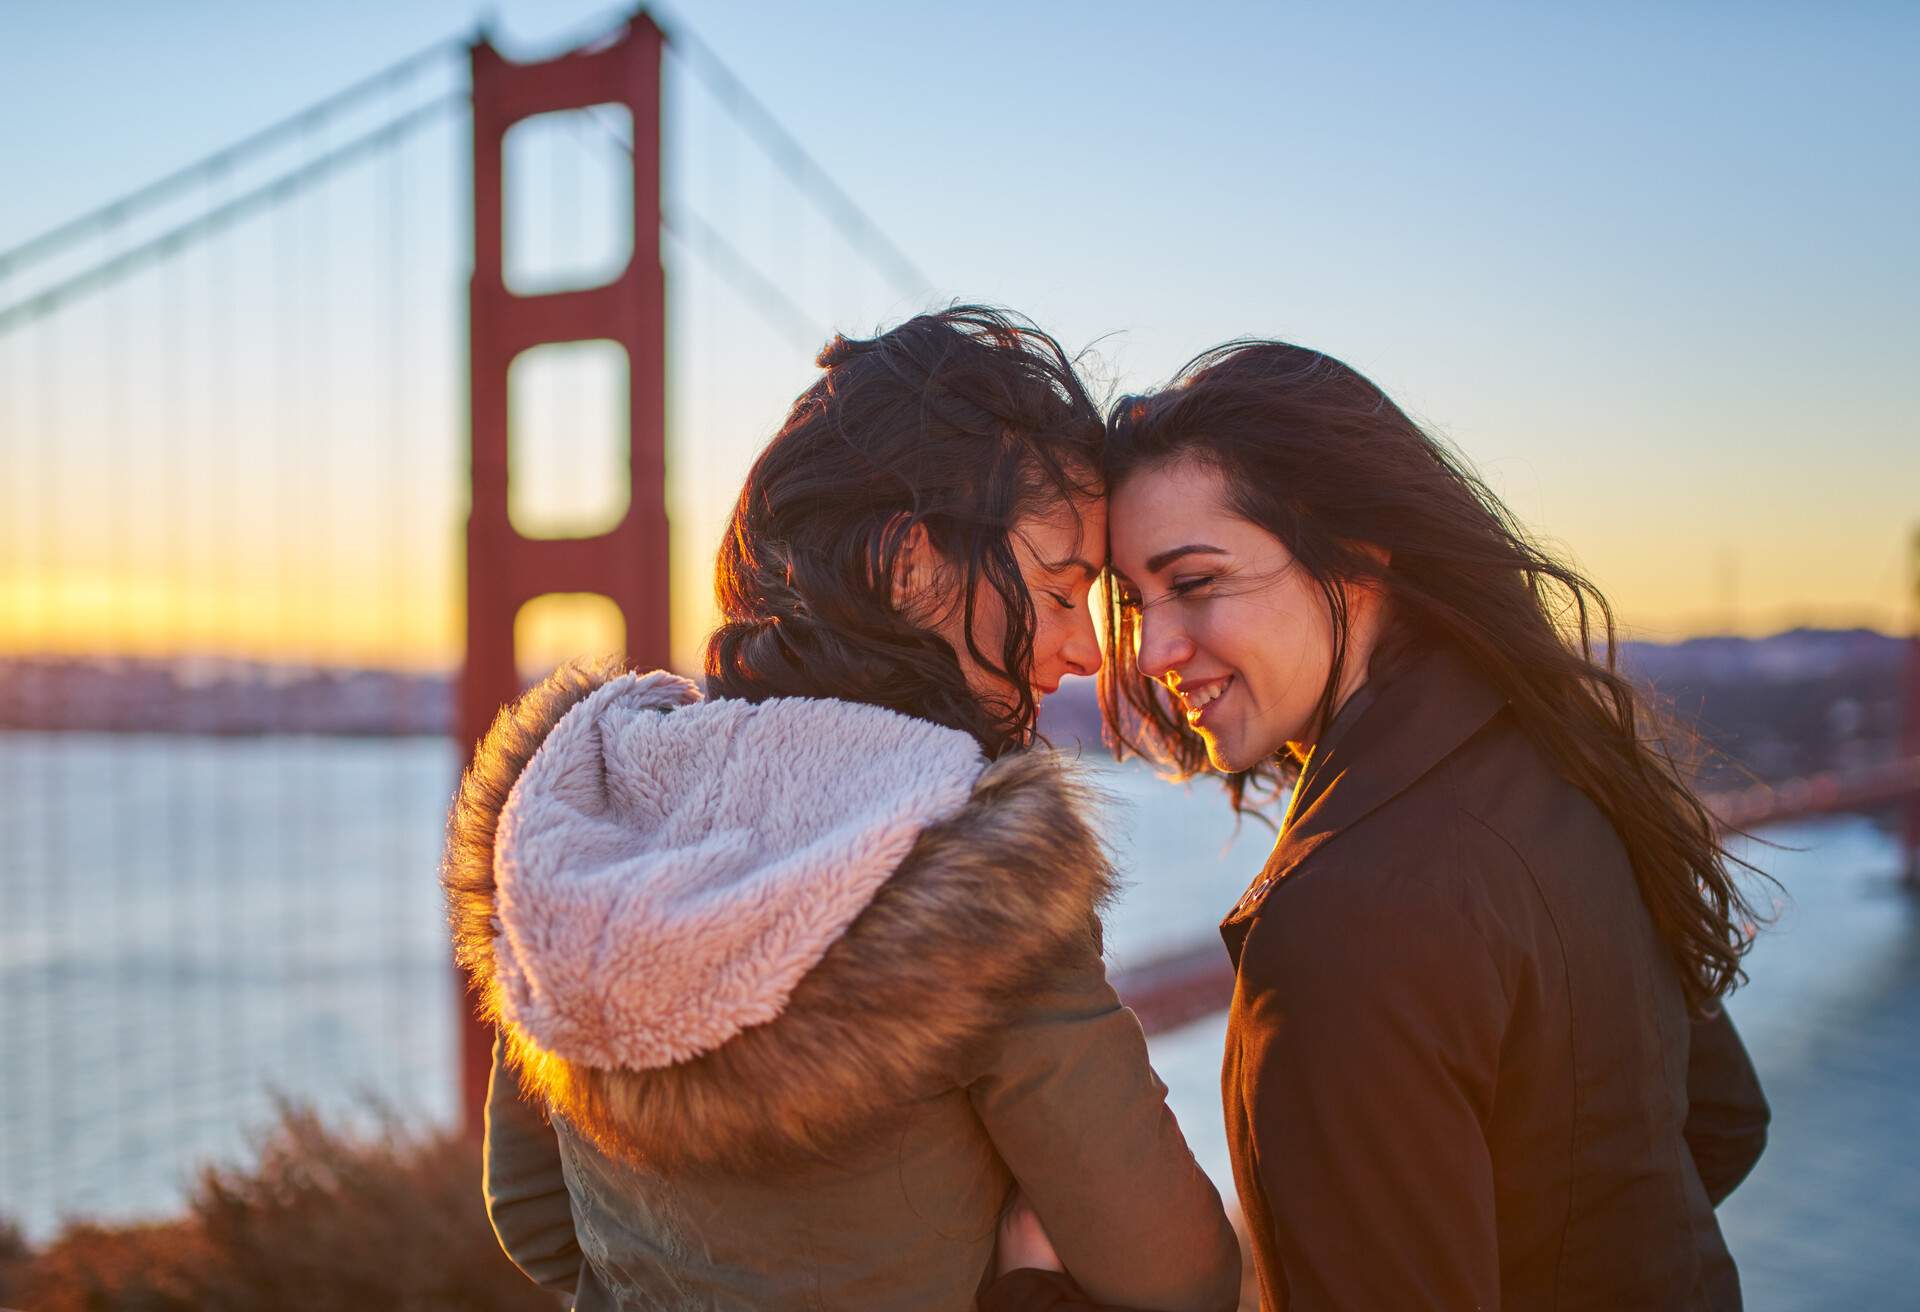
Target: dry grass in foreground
{"x":325,"y":1222}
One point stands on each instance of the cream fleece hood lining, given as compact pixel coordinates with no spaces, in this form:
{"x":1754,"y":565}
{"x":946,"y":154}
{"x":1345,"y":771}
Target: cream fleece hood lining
{"x":665,"y":880}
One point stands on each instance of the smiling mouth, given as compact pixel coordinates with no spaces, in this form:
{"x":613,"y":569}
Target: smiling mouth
{"x":1198,"y":701}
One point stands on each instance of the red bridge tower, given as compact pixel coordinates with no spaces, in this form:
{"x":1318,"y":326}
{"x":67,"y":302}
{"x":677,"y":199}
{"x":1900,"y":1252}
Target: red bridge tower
{"x":628,"y":563}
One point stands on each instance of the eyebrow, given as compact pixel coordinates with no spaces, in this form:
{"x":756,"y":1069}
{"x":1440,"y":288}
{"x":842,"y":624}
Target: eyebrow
{"x":1157,"y":563}
{"x":1085,"y":567}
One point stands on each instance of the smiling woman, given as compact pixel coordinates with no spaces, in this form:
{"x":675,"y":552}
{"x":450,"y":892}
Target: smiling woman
{"x":1241,"y":636}
{"x":1476,"y":1032}
{"x":1353,"y":540}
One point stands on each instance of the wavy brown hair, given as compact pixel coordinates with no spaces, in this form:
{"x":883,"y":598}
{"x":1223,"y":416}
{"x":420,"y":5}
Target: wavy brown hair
{"x":965,"y":421}
{"x":1318,"y":456}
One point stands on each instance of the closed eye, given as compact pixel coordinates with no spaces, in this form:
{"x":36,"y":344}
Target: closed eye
{"x":1185,"y":586}
{"x":1064,"y":602}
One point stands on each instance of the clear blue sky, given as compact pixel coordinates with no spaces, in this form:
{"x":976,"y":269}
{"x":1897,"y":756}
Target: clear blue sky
{"x":1651,"y":266}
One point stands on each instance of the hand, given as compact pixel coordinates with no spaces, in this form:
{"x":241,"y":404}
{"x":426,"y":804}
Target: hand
{"x":1023,"y":1242}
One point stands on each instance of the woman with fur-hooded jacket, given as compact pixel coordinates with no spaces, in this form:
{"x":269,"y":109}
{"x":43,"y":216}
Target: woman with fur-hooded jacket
{"x":805,"y":975}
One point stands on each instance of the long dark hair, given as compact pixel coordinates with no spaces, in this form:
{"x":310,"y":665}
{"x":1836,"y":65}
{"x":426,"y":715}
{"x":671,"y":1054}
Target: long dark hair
{"x":1318,"y":456}
{"x":964,"y":421}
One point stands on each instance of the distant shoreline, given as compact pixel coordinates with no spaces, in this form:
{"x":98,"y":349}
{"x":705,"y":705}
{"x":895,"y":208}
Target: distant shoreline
{"x":1782,"y":705}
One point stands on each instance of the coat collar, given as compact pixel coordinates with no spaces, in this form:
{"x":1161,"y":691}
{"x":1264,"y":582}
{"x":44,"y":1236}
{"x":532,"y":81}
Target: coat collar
{"x":1415,"y":718}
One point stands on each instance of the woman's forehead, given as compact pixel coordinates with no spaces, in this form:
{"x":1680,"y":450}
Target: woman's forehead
{"x":1067,"y":533}
{"x":1168,"y":506}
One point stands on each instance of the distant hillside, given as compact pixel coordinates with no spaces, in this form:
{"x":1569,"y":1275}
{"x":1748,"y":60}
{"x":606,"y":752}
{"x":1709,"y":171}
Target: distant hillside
{"x":219,"y":697}
{"x":1790,"y":704}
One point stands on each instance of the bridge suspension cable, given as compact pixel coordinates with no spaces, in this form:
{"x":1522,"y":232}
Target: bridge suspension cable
{"x":279,"y":189}
{"x":212,"y":166}
{"x":792,"y":158}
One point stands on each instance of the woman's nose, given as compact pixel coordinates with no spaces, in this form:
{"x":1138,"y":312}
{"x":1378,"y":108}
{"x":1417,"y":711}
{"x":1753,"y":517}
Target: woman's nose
{"x":1081,"y":651}
{"x":1164,"y":646}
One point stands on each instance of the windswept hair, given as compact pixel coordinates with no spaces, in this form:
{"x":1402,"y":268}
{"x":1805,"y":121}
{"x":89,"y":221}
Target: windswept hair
{"x":1315,"y":454}
{"x":964,"y":421}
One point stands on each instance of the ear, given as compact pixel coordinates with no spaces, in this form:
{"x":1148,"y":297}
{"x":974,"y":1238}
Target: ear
{"x":916,"y":572}
{"x":1374,"y":552}
{"x":1363,"y":590}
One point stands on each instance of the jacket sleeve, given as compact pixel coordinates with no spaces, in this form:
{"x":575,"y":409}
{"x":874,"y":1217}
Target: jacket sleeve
{"x":1079,"y":1117}
{"x":1727,"y":1113}
{"x":1363,"y":1052}
{"x":526,"y":1192}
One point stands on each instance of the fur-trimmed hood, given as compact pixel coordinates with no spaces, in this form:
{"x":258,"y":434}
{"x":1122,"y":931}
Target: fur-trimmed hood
{"x":727,"y":933}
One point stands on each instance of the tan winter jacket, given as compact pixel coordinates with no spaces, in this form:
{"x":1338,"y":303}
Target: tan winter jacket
{"x":956,"y":1040}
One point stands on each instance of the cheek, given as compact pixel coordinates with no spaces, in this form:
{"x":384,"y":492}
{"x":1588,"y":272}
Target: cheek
{"x":1053,"y":629}
{"x":1301,"y":657}
{"x":989,"y":622}
{"x":1274,"y":647}
{"x":1233,"y":630}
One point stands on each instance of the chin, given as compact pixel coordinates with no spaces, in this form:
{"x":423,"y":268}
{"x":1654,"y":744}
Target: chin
{"x":1230,"y":755}
{"x":1220,"y":758}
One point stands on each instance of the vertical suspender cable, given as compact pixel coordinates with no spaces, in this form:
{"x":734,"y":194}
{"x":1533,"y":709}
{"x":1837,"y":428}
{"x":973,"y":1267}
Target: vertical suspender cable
{"x":14,"y":737}
{"x":13,"y":923}
{"x":171,"y":975}
{"x":129,"y":1000}
{"x":398,"y":880}
{"x":285,"y":803}
{"x":320,"y":820}
{"x":229,"y":909}
{"x":58,"y":753}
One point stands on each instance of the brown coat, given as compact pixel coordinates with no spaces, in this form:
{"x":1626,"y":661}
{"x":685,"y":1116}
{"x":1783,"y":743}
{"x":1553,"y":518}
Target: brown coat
{"x":960,"y":1039}
{"x":1460,"y":1072}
